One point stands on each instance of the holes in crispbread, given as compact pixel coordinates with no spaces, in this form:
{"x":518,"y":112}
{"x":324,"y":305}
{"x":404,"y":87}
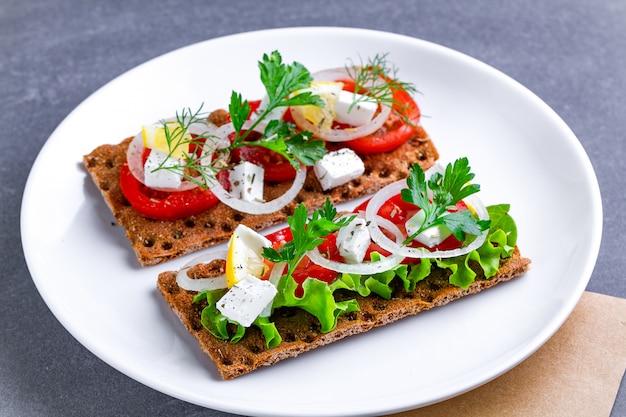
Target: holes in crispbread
{"x":255,"y":349}
{"x":104,"y":185}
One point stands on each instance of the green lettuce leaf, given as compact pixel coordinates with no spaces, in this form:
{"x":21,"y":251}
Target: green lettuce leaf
{"x":500,"y":242}
{"x":217,"y":324}
{"x":317,"y":299}
{"x":269,"y":330}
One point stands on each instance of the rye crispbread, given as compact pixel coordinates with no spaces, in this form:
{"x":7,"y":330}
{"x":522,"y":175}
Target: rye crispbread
{"x":300,"y":330}
{"x":156,"y":241}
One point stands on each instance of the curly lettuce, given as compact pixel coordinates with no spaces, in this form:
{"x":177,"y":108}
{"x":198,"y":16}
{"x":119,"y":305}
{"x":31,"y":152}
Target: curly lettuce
{"x":319,"y":300}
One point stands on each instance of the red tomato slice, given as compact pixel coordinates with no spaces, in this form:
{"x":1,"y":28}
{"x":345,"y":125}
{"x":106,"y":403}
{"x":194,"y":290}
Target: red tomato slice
{"x":399,"y":211}
{"x":276,"y":167}
{"x":280,"y":237}
{"x":306,"y":268}
{"x":395,"y":210}
{"x":161,"y":205}
{"x":396,"y":131}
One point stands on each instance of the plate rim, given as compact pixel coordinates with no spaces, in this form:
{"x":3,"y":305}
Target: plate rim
{"x":547,"y":333}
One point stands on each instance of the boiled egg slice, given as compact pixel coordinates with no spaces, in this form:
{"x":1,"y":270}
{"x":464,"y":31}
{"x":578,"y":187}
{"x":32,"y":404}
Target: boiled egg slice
{"x":244,"y":256}
{"x":323,"y":116}
{"x":154,"y":137}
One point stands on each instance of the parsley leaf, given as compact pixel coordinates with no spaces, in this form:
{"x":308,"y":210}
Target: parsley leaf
{"x":280,"y":82}
{"x":439,"y":193}
{"x":307,"y":234}
{"x":239,"y":111}
{"x":295,"y":146}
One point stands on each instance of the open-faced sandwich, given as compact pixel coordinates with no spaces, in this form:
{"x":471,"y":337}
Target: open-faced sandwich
{"x":418,"y":243}
{"x":186,"y":183}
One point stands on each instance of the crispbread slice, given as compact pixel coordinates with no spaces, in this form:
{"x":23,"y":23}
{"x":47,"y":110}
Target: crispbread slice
{"x":157,"y":241}
{"x":300,"y":330}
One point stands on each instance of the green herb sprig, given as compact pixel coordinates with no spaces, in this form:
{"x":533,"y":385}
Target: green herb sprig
{"x":195,"y":166}
{"x":447,"y":190}
{"x":280,"y":81}
{"x":378,"y":79}
{"x":307,"y":234}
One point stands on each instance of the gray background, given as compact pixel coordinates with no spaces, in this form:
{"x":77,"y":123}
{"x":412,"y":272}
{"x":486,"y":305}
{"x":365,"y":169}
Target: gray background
{"x":55,"y":53}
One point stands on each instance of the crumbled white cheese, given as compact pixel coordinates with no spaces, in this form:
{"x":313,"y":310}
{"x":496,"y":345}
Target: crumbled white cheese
{"x":359,"y":114}
{"x":338,"y":167}
{"x":430,"y":237}
{"x":246,"y":181}
{"x":161,"y":178}
{"x":353,"y":241}
{"x":246,"y":300}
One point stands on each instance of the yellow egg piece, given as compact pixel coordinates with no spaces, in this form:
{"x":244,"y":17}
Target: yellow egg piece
{"x":244,"y":256}
{"x":322,"y":117}
{"x":154,"y":137}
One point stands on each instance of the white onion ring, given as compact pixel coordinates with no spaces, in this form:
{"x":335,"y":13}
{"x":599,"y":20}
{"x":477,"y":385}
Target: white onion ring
{"x":364,"y":268}
{"x":184,"y":281}
{"x":341,"y":135}
{"x":134,"y":155}
{"x":254,"y":207}
{"x":277,"y":272}
{"x":371,"y":216}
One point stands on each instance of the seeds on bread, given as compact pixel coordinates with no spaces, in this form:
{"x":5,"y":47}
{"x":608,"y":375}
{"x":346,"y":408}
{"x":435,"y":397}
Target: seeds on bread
{"x":156,"y":241}
{"x":301,"y":331}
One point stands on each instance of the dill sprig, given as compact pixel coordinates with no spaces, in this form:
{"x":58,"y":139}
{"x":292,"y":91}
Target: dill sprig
{"x":280,"y":81}
{"x":195,"y":166}
{"x":376,"y":80}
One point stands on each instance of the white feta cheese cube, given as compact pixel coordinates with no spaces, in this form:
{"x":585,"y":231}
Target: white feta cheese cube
{"x":359,"y":114}
{"x":353,"y":241}
{"x":430,"y":237}
{"x":246,"y":181}
{"x":246,"y":300}
{"x":338,"y":167}
{"x":161,"y":178}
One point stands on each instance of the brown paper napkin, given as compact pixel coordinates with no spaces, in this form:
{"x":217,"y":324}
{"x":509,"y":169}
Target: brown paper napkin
{"x":576,"y":373}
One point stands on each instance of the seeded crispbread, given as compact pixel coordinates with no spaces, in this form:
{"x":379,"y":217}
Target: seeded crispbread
{"x":300,"y":330}
{"x":156,"y":241}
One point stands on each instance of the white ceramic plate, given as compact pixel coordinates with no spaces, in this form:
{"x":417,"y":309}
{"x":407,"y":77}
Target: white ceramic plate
{"x":522,"y":152}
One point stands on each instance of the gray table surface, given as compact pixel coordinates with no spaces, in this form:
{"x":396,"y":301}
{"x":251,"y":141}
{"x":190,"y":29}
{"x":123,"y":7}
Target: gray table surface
{"x":55,"y":53}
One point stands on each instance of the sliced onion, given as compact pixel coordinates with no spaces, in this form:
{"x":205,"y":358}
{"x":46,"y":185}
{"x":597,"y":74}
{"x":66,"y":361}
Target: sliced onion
{"x":184,"y":281}
{"x":371,"y":215}
{"x":277,"y":271}
{"x":341,"y":135}
{"x":364,"y":268}
{"x":254,"y":207}
{"x":134,"y":155}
